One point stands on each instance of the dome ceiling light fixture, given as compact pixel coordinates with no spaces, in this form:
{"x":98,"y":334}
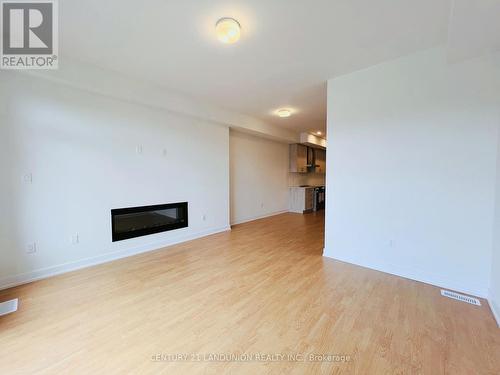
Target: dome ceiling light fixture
{"x":228,"y":30}
{"x":284,"y":112}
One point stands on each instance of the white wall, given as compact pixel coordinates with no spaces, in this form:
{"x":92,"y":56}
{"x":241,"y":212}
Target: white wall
{"x":81,"y":151}
{"x":494,"y":293}
{"x":411,"y":169}
{"x":259,"y":177}
{"x":109,"y":83}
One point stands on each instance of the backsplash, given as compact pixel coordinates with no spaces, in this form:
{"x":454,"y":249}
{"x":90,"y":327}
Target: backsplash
{"x":297,"y":179}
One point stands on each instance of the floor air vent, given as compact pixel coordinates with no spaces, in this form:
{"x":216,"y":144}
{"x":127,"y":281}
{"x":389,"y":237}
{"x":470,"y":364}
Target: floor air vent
{"x":8,"y":307}
{"x":460,"y":297}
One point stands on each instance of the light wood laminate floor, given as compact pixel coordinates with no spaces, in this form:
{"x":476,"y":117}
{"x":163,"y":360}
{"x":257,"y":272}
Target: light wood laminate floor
{"x":262,"y":288}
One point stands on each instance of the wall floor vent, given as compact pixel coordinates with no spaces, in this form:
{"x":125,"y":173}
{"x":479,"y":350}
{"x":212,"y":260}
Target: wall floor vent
{"x":460,"y":297}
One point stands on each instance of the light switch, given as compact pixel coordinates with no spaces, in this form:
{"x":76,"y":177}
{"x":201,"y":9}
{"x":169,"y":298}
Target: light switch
{"x":28,"y":178}
{"x":31,"y":248}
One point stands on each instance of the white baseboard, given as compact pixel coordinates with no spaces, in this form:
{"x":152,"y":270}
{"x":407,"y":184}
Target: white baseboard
{"x":241,"y":221}
{"x":415,"y":274}
{"x":495,"y":309}
{"x":43,"y":273}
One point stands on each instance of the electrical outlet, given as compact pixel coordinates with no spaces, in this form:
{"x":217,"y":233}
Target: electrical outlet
{"x":138,"y":149}
{"x":262,"y":205}
{"x":28,"y":178}
{"x":204,"y":217}
{"x":31,"y":248}
{"x":75,"y":239}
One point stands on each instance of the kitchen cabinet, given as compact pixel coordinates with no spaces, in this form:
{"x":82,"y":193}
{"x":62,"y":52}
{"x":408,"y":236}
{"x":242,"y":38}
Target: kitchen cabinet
{"x":320,"y":160}
{"x":298,"y":158}
{"x":305,"y":159}
{"x":301,"y":199}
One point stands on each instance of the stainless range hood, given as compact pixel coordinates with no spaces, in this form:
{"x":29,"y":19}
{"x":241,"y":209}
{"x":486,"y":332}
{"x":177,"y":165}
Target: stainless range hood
{"x":311,"y":158}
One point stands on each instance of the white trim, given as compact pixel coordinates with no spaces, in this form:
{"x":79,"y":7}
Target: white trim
{"x":236,"y":222}
{"x":43,"y":273}
{"x":495,"y":308}
{"x":415,"y":274}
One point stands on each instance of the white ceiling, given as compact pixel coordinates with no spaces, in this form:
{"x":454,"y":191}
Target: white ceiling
{"x":474,"y":29}
{"x":288,"y":49}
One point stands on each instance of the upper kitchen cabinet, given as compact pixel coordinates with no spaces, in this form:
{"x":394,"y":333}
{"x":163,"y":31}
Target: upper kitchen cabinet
{"x":298,"y":158}
{"x":305,"y":159}
{"x":320,"y":156}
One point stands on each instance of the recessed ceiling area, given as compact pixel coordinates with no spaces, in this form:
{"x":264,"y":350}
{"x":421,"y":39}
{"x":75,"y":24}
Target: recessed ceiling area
{"x":287,"y":51}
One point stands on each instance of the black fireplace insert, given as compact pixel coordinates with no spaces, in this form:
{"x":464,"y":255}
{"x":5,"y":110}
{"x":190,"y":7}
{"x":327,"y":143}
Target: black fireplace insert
{"x":141,"y":221}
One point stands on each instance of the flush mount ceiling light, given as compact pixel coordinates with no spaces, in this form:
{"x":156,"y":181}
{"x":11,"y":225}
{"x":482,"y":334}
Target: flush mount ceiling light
{"x":318,"y":133}
{"x":228,"y":30}
{"x":283,"y":112}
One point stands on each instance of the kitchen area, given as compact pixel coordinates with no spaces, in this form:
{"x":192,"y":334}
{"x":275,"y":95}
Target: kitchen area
{"x":307,"y":167}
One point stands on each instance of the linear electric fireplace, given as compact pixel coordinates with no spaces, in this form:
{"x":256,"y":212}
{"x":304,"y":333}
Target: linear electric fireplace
{"x":141,"y":221}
